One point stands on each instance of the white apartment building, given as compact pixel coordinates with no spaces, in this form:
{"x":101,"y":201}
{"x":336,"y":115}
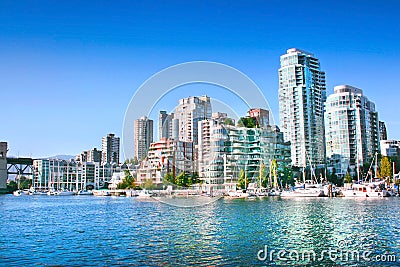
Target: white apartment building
{"x":351,"y":129}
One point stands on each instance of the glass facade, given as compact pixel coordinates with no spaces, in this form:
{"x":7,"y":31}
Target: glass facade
{"x":302,"y":93}
{"x":351,"y":129}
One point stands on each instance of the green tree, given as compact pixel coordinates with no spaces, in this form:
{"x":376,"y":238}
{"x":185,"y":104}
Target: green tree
{"x":148,"y":184}
{"x":386,"y":168}
{"x":247,"y":122}
{"x":182,"y":180}
{"x":261,"y":176}
{"x":169,"y":178}
{"x":12,"y":186}
{"x":228,"y":121}
{"x":287,"y":177}
{"x":128,"y":182}
{"x":25,"y":183}
{"x":347,"y":178}
{"x":243,"y":180}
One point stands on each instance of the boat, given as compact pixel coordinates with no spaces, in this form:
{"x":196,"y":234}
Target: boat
{"x":101,"y":193}
{"x":238,"y":194}
{"x":64,"y":192}
{"x":374,"y":189}
{"x":144,"y":194}
{"x":17,"y":193}
{"x":305,"y":191}
{"x":85,"y":193}
{"x":274,"y":192}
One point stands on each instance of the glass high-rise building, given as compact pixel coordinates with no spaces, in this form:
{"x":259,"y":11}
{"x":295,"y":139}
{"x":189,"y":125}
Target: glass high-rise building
{"x":302,"y":93}
{"x":351,"y":129}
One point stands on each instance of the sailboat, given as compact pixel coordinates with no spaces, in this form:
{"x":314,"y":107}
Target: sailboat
{"x":368,"y":189}
{"x":309,"y":188}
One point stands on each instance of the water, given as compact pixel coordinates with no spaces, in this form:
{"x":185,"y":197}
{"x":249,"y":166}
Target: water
{"x":94,"y":231}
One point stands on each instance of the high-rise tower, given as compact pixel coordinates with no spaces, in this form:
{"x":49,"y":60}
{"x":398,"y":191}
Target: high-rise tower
{"x":143,"y":130}
{"x":302,"y":93}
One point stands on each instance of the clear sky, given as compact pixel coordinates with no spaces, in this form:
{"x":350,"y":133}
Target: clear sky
{"x":68,"y":69}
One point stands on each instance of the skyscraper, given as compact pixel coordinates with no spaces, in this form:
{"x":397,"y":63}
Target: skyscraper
{"x":143,"y":129}
{"x":351,"y":129}
{"x":110,"y":149}
{"x":165,"y":124}
{"x":188,"y":113}
{"x":302,"y":93}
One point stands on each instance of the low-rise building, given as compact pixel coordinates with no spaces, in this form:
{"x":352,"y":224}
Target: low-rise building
{"x":390,"y":148}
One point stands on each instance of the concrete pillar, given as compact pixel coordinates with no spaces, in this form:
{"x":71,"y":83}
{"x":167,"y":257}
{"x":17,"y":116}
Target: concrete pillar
{"x":3,"y":167}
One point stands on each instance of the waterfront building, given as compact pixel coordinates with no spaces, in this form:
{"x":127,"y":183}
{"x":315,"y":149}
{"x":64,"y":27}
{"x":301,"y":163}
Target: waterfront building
{"x":225,"y":150}
{"x":187,"y":114}
{"x":143,"y":129}
{"x":110,"y":145}
{"x":166,"y":156}
{"x":390,"y":148}
{"x":351,"y":129}
{"x":3,"y":166}
{"x":70,"y":174}
{"x":382,"y":131}
{"x":302,"y":93}
{"x":165,"y":125}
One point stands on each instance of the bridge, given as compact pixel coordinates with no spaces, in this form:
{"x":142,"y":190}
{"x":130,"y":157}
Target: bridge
{"x":12,"y":166}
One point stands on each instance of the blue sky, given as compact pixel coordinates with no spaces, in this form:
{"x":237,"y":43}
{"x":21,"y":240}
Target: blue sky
{"x":68,"y":69}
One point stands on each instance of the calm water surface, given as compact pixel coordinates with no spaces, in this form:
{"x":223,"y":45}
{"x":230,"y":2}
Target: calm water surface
{"x":93,"y":231}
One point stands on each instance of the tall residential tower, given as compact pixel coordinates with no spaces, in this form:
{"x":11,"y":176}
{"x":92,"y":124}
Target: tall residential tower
{"x":302,"y":93}
{"x":351,"y":129}
{"x":143,"y":130}
{"x":110,"y":149}
{"x":187,"y":115}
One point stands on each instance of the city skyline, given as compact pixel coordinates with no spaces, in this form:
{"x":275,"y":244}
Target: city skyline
{"x":69,"y":73}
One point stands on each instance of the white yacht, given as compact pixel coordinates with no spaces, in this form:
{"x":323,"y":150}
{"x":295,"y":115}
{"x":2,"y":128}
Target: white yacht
{"x":144,"y":194}
{"x":238,"y":194}
{"x":305,"y":190}
{"x":17,"y":193}
{"x":374,"y":189}
{"x":64,"y":192}
{"x":85,"y":192}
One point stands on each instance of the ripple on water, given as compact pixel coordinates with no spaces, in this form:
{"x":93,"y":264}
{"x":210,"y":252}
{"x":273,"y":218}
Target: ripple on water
{"x":94,"y":231}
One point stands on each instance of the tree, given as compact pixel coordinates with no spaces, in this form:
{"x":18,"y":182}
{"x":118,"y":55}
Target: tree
{"x":261,"y":174}
{"x":347,"y":178}
{"x":194,"y":179}
{"x":25,"y":183}
{"x":386,"y":168}
{"x":247,"y":122}
{"x":182,"y":180}
{"x":128,"y":182}
{"x":148,"y":184}
{"x":12,"y":186}
{"x":169,"y":178}
{"x":287,"y":177}
{"x":228,"y":121}
{"x":243,"y":180}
